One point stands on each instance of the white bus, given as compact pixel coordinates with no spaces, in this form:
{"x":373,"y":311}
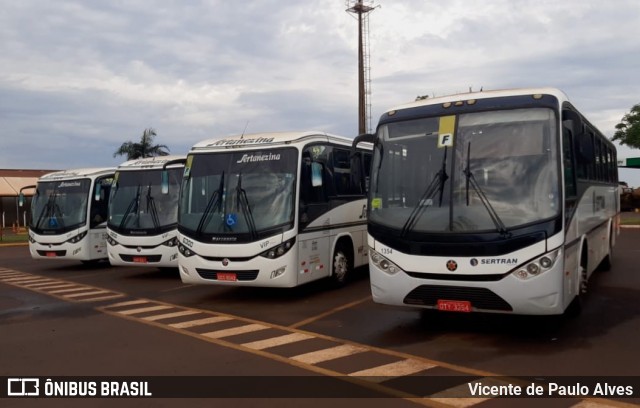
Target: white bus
{"x":69,"y":215}
{"x":271,"y":209}
{"x":502,"y":201}
{"x":143,"y":212}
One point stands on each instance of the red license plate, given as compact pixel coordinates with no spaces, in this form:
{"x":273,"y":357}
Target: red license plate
{"x":454,"y":305}
{"x":227,"y":276}
{"x":140,"y":259}
{"x":51,"y":254}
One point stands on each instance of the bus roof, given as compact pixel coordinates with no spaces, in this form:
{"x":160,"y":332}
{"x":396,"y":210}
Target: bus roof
{"x":265,"y":139}
{"x":484,"y":94}
{"x":155,"y":162}
{"x":77,"y":173}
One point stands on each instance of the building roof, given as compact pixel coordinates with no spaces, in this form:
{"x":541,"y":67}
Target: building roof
{"x":11,"y":181}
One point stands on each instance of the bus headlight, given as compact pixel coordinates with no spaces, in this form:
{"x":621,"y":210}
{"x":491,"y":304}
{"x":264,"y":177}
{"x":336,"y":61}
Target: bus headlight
{"x":111,"y":241}
{"x":77,"y":238}
{"x":171,"y":243}
{"x":538,"y":266}
{"x":185,"y":251}
{"x":383,"y":263}
{"x":278,"y":251}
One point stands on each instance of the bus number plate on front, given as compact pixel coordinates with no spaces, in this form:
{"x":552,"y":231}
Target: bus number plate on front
{"x":51,"y":254}
{"x":140,"y":259}
{"x":227,"y":276}
{"x":454,"y":305}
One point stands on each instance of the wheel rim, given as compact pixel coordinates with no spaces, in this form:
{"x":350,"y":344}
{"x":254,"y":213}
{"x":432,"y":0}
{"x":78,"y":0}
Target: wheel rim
{"x":340,"y":267}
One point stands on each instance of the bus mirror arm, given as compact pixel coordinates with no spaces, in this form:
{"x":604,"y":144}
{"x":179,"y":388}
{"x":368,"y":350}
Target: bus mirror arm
{"x":363,"y":138}
{"x":21,"y":198}
{"x":164,"y":184}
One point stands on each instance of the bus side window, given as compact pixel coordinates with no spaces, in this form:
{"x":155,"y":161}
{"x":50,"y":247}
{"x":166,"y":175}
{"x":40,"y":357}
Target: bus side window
{"x":99,"y":208}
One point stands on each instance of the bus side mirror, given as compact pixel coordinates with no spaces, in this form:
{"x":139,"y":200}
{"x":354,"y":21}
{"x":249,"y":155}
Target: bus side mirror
{"x":164,"y":183}
{"x":21,"y":199}
{"x":316,"y":174}
{"x":98,"y":194}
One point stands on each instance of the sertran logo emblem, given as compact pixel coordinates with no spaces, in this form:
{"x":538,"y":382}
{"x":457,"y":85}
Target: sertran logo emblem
{"x":474,"y":262}
{"x":225,"y":262}
{"x":452,"y":265}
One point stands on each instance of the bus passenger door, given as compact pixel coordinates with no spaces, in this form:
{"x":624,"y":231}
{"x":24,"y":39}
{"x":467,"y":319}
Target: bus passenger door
{"x":314,"y":221}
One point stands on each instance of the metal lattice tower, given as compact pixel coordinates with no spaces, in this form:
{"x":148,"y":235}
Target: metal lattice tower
{"x":362,"y":8}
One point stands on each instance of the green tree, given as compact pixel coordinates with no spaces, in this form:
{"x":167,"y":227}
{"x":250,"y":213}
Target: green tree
{"x":628,"y":130}
{"x":144,"y":148}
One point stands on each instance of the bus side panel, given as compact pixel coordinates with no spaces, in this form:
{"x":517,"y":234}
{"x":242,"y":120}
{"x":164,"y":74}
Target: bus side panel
{"x":314,"y":256}
{"x":98,"y":243}
{"x":571,"y":263}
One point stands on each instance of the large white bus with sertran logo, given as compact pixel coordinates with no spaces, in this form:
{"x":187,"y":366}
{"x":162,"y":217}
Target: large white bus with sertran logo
{"x":272,"y":210}
{"x":143,"y":212}
{"x":501,"y":201}
{"x":69,"y":215}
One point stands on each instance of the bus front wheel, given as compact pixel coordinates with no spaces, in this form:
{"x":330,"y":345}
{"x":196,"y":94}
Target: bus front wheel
{"x":341,"y":266}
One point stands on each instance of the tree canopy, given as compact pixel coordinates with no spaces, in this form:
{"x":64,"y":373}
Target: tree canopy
{"x":628,"y":130}
{"x":144,"y":148}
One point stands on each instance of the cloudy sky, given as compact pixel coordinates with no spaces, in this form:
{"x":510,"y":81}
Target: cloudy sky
{"x":78,"y":78}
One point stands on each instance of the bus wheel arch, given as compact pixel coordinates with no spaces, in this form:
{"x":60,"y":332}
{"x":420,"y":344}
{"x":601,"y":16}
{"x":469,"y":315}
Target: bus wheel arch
{"x":342,"y":260}
{"x":575,"y":307}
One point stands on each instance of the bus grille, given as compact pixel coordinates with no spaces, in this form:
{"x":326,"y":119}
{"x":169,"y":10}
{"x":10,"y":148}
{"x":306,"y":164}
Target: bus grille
{"x":480,"y":298}
{"x":212,"y":274}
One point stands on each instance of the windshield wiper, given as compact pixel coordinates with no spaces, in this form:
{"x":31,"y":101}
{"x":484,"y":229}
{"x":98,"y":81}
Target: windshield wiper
{"x":436,"y":185}
{"x":49,"y":211}
{"x":470,"y":179}
{"x":152,"y":209}
{"x":130,"y":208}
{"x":243,"y":205}
{"x":214,"y":202}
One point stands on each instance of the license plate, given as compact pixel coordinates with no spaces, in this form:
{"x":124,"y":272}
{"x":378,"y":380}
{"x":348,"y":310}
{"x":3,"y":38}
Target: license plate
{"x":227,"y":276}
{"x":51,"y":254}
{"x":140,"y":259}
{"x":454,"y":305}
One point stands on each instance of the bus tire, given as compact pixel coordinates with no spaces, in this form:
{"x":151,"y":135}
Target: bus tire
{"x":341,"y":265}
{"x":575,"y":307}
{"x":607,"y":261}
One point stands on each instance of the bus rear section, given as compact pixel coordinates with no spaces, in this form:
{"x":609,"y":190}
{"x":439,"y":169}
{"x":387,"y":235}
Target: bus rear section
{"x":69,"y":213}
{"x":270,"y":210}
{"x":480,"y":203}
{"x":143,"y":212}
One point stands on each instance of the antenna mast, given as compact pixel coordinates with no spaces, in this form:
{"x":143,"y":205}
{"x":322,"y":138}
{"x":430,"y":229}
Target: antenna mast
{"x":362,"y":10}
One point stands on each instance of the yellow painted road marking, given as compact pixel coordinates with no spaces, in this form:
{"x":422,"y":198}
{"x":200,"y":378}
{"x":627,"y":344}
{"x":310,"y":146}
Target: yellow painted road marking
{"x":199,"y":322}
{"x":128,"y":303}
{"x":24,"y":279}
{"x":95,"y":292}
{"x":96,"y":299}
{"x":329,"y":312}
{"x":393,"y":370}
{"x":68,"y":290}
{"x":331,"y":353}
{"x":170,"y":315}
{"x":41,"y":285}
{"x":52,"y":286}
{"x":144,"y":309}
{"x":249,"y":328}
{"x":277,"y":341}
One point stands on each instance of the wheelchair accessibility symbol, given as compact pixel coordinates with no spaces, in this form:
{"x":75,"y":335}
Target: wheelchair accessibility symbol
{"x":232,"y":219}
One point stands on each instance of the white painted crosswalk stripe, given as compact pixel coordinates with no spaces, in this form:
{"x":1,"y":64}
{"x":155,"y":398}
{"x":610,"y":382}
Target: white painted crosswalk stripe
{"x":143,"y":310}
{"x":170,"y":315}
{"x":388,"y":371}
{"x":129,"y":303}
{"x":99,"y":298}
{"x":94,"y":292}
{"x":199,"y":322}
{"x":328,"y":354}
{"x":78,"y":289}
{"x":277,"y":341}
{"x":219,"y":334}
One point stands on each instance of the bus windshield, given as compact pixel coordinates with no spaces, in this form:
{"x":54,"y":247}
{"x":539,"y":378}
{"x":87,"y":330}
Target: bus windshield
{"x":138,"y":205}
{"x":239,"y":195}
{"x":59,"y":206}
{"x":496,"y":171}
